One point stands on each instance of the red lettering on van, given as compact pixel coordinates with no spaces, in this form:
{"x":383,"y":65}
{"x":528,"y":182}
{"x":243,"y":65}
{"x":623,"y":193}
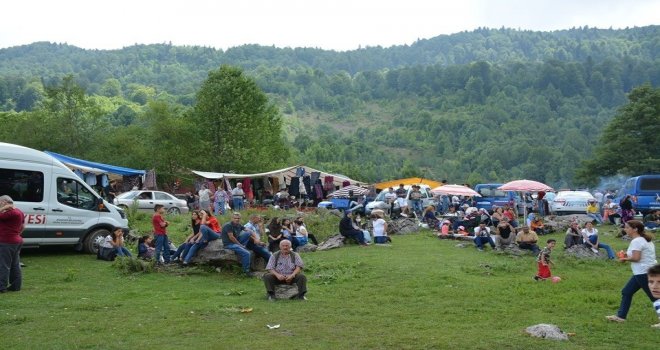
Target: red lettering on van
{"x":35,"y":219}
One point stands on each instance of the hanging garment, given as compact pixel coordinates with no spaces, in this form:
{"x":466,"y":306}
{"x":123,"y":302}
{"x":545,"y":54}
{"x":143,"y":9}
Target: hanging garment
{"x":90,"y":178}
{"x":80,"y":174}
{"x":315,"y":176}
{"x":211,"y":186}
{"x":318,"y":191}
{"x":267,"y":185}
{"x":150,"y":179}
{"x":329,"y":183}
{"x":280,"y":177}
{"x":276,"y":185}
{"x":300,"y":172}
{"x":294,"y":187}
{"x":227,"y":185}
{"x":104,"y":180}
{"x":345,"y":183}
{"x":307,"y":182}
{"x":247,"y":187}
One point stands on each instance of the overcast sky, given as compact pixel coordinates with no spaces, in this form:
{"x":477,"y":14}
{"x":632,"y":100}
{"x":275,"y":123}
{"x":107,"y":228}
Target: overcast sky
{"x":328,"y":24}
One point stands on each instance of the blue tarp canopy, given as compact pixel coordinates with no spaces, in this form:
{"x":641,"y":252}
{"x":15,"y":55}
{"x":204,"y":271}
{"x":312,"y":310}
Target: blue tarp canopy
{"x":93,"y":166}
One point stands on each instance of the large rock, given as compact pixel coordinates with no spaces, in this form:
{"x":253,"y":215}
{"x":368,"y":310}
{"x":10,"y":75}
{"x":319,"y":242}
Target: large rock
{"x":563,"y":222}
{"x":286,"y":291}
{"x":580,"y":251}
{"x":546,"y":331}
{"x":336,"y":241}
{"x":215,"y":254}
{"x":402,"y":226}
{"x":306,"y":248}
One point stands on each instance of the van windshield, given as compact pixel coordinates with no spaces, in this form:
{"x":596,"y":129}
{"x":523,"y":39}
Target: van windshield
{"x":491,"y":192}
{"x":651,"y":184}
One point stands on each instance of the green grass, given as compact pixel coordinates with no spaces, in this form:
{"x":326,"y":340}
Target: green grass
{"x":420,"y":293}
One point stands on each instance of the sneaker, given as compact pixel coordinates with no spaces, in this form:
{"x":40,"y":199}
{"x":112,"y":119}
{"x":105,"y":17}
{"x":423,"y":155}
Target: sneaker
{"x":615,"y":318}
{"x":480,"y":249}
{"x":270,"y":297}
{"x":536,"y":278}
{"x":301,"y":297}
{"x":656,"y":326}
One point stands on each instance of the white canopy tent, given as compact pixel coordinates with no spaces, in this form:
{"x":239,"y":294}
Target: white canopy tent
{"x":288,"y":173}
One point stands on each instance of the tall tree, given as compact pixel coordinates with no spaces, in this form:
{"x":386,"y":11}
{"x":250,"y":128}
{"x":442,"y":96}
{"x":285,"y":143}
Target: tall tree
{"x":629,"y":144}
{"x":241,"y":129}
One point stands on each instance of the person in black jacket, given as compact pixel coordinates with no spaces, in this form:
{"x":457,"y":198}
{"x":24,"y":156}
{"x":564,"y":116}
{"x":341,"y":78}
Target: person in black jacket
{"x":348,"y":230}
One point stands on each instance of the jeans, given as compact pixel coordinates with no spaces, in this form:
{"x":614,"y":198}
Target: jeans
{"x":530,"y":246}
{"x":122,"y":251}
{"x":417,"y":206}
{"x":610,"y":252}
{"x":11,"y":276}
{"x":208,"y":235}
{"x":162,"y":247}
{"x":634,"y":284}
{"x":596,"y":217}
{"x":246,"y":240}
{"x":243,"y":254}
{"x":238,"y":203}
{"x":481,"y":241}
{"x":219,"y":207}
{"x":380,"y":239}
{"x":182,"y":250}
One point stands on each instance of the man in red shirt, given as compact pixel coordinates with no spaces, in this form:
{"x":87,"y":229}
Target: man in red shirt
{"x":11,"y":227}
{"x":160,"y":234}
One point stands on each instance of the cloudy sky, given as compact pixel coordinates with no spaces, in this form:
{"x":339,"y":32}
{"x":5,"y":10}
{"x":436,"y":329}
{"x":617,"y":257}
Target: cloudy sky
{"x":328,"y":24}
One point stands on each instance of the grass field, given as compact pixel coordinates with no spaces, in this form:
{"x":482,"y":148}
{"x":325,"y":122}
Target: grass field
{"x":419,"y":293}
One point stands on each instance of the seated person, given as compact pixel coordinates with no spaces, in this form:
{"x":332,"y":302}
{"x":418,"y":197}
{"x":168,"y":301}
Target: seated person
{"x":470,"y":220}
{"x":462,"y":231}
{"x":348,"y":229}
{"x":118,"y":242}
{"x":428,"y":216}
{"x":498,"y":214}
{"x":193,"y":237}
{"x":590,"y":237}
{"x":274,"y":234}
{"x":146,"y":249}
{"x":107,"y":250}
{"x":652,"y":220}
{"x":485,"y":217}
{"x":527,"y":239}
{"x":573,"y":235}
{"x":482,"y":236}
{"x":538,"y":226}
{"x":610,"y":212}
{"x":510,"y":213}
{"x":444,"y":228}
{"x":593,"y":211}
{"x":285,"y":267}
{"x":505,"y":233}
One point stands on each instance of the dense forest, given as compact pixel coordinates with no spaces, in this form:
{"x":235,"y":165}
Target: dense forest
{"x":485,"y":105}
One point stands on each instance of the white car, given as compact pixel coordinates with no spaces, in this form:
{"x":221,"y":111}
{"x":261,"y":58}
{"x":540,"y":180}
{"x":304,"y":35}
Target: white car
{"x":570,"y":202}
{"x":147,"y":200}
{"x":379,"y":201}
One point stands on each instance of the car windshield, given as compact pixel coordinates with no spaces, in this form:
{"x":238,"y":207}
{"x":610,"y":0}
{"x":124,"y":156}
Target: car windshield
{"x":128,"y":195}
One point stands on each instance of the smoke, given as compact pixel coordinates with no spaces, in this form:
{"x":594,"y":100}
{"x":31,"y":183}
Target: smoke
{"x":611,"y":183}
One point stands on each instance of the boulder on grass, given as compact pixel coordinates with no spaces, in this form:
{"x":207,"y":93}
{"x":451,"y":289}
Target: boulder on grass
{"x":581,"y":251}
{"x":215,"y":254}
{"x":286,"y":291}
{"x":306,"y":248}
{"x":402,"y":226}
{"x":336,"y":241}
{"x":546,"y":331}
{"x":561,"y":223}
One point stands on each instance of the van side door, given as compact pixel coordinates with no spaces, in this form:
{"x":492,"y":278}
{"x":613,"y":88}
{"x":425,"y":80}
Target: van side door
{"x":74,"y":212}
{"x":24,"y":183}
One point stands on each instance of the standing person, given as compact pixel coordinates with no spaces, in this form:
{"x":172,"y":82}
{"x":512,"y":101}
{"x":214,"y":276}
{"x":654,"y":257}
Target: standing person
{"x":641,"y":254}
{"x":543,"y":261}
{"x":390,"y":198}
{"x":590,"y":237}
{"x":416,"y":200}
{"x":160,"y":232}
{"x":230,"y":233}
{"x":205,"y":198}
{"x":380,"y":228}
{"x":540,"y":202}
{"x":11,"y":227}
{"x":401,"y":193}
{"x":219,"y":201}
{"x":285,"y":267}
{"x":238,"y":197}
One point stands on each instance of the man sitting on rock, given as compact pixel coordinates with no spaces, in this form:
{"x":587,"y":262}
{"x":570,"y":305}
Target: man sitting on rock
{"x":251,"y":237}
{"x":285,"y":267}
{"x":527,"y":239}
{"x":230,"y":233}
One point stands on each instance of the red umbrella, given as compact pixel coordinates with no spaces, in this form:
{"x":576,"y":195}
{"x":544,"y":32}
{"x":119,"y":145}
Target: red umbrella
{"x":455,"y":190}
{"x":525,"y":186}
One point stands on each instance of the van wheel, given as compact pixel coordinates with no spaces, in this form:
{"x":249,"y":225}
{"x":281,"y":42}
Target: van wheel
{"x":174,"y":211}
{"x":94,"y":239}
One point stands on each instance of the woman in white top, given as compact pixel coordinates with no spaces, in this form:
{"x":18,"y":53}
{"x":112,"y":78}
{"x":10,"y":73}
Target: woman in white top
{"x":380,"y":228}
{"x":590,"y":237}
{"x":641,"y":254}
{"x":301,"y":231}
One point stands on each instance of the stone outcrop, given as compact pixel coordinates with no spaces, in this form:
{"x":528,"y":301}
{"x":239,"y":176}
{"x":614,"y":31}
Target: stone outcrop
{"x":215,"y":254}
{"x":336,"y":241}
{"x":546,"y":331}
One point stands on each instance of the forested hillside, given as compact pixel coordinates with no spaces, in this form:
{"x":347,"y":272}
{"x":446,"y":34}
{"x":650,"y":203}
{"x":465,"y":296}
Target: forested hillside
{"x":486,"y":105}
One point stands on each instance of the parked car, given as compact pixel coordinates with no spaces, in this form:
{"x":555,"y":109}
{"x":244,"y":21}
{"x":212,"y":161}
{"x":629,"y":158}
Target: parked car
{"x":147,"y":200}
{"x":645,"y":190}
{"x":379,"y":201}
{"x":492,"y":197}
{"x":570,"y":202}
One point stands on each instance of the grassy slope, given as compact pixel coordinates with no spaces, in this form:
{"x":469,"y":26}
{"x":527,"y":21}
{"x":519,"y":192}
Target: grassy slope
{"x":421,"y":293}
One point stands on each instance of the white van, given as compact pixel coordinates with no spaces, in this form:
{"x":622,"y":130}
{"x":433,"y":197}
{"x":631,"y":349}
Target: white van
{"x":59,"y":208}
